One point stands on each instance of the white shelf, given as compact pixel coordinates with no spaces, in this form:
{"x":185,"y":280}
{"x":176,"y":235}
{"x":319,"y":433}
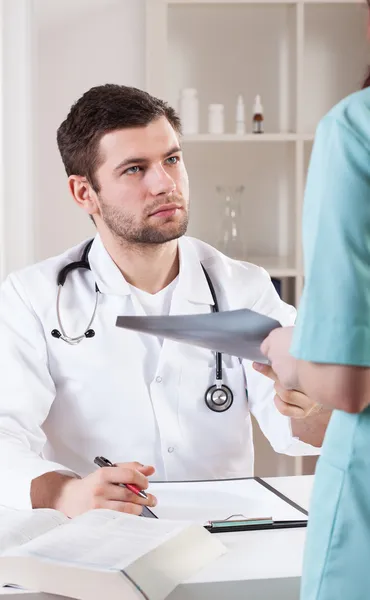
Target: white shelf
{"x":307,"y":137}
{"x":250,"y":137}
{"x":358,"y":2}
{"x":194,"y":2}
{"x":276,"y":266}
{"x":301,"y":56}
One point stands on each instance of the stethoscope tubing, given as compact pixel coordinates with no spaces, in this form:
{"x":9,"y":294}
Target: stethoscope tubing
{"x":66,"y":338}
{"x":218,"y":397}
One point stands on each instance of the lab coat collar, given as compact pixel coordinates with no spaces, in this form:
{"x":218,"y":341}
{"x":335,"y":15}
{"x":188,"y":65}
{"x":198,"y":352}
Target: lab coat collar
{"x":192,"y":283}
{"x":107,"y":275}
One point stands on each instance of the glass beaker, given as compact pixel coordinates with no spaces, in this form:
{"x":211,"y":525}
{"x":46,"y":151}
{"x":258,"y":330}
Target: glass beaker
{"x":232,"y":240}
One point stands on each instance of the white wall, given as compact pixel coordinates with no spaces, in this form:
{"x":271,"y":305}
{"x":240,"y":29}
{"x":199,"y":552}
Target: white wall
{"x":16,"y":134}
{"x":101,"y":42}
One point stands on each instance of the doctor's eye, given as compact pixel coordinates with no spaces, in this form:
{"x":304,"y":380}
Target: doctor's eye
{"x":173,"y":160}
{"x":132,"y":170}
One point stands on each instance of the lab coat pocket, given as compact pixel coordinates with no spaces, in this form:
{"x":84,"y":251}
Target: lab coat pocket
{"x":213,"y":433}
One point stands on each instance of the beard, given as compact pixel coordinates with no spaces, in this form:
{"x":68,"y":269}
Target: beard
{"x":125,"y":228}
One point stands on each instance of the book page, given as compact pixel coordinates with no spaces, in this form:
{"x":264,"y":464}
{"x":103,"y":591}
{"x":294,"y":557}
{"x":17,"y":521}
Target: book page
{"x":203,"y":501}
{"x":18,"y":527}
{"x":101,"y":539}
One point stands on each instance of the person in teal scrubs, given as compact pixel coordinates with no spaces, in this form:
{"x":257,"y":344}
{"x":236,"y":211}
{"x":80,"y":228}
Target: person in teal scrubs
{"x":327,"y":354}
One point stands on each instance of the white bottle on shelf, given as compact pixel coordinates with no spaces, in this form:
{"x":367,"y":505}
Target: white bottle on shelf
{"x":216,"y":119}
{"x":189,"y":111}
{"x":240,"y":116}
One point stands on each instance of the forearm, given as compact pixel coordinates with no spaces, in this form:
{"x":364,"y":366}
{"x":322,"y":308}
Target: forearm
{"x":343,"y":387}
{"x":47,"y":490}
{"x":312,"y":428}
{"x":19,"y":466}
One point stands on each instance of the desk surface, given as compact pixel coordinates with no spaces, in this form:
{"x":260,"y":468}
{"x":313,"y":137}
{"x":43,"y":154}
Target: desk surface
{"x":259,"y":565}
{"x":296,"y":488}
{"x":263,"y":554}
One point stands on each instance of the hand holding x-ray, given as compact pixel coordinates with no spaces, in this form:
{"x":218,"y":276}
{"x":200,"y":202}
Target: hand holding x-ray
{"x":276,"y":348}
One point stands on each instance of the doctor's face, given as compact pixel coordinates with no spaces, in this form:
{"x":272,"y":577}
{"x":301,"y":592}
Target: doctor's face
{"x":143,"y":192}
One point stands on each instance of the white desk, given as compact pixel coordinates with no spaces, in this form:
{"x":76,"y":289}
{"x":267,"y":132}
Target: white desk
{"x":260,"y":565}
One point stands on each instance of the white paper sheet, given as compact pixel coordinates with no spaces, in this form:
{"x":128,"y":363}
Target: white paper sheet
{"x":18,"y":527}
{"x":104,"y":539}
{"x":216,"y":500}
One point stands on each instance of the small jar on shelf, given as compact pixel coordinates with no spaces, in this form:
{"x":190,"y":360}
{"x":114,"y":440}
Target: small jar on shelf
{"x":216,"y":119}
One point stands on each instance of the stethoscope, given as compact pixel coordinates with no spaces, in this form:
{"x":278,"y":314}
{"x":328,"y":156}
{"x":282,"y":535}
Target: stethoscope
{"x":218,"y":397}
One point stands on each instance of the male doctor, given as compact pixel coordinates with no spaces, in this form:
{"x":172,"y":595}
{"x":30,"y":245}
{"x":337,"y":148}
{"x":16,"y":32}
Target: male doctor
{"x":125,"y":395}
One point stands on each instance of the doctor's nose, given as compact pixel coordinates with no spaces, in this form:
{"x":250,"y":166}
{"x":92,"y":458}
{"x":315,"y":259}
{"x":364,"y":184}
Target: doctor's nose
{"x":160,"y":182}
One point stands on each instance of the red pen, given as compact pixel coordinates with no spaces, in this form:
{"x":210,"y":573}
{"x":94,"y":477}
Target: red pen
{"x":104,"y":462}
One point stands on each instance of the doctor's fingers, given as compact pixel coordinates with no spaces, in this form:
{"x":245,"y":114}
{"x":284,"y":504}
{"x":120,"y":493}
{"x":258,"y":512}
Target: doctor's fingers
{"x":122,"y":494}
{"x":146,"y":470}
{"x":122,"y":474}
{"x":288,"y":410}
{"x":294,"y":398}
{"x":265,"y":370}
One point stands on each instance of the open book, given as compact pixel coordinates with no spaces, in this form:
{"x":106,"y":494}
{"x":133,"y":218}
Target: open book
{"x":101,"y":554}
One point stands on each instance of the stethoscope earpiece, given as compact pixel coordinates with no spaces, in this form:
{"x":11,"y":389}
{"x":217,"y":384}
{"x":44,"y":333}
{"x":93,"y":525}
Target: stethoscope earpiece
{"x":60,"y":333}
{"x":88,"y":334}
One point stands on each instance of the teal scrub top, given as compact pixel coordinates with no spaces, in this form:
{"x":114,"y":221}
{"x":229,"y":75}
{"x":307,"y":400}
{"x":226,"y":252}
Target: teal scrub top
{"x":333,"y":326}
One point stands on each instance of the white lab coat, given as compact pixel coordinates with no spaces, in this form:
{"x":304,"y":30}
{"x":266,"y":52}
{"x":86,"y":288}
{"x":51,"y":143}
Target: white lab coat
{"x":62,"y":405}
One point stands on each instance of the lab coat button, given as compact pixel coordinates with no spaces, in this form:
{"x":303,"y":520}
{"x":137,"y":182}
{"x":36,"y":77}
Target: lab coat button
{"x":158,"y":379}
{"x":170,"y":449}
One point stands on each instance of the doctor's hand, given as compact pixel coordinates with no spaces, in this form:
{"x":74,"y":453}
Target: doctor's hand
{"x":276,"y":348}
{"x":290,"y":403}
{"x":100,"y":490}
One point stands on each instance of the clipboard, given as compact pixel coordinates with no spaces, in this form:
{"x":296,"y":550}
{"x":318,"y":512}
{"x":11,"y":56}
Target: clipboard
{"x":241,"y":523}
{"x":217,"y":523}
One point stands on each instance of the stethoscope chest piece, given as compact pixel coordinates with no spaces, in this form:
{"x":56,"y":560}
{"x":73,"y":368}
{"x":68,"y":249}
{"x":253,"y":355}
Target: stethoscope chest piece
{"x":219,"y":398}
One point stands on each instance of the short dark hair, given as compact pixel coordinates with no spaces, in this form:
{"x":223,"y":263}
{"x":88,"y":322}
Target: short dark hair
{"x":102,"y":109}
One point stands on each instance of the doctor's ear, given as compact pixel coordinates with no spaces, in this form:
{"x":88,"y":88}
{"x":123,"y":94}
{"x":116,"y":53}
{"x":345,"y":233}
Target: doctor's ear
{"x":83,"y":194}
